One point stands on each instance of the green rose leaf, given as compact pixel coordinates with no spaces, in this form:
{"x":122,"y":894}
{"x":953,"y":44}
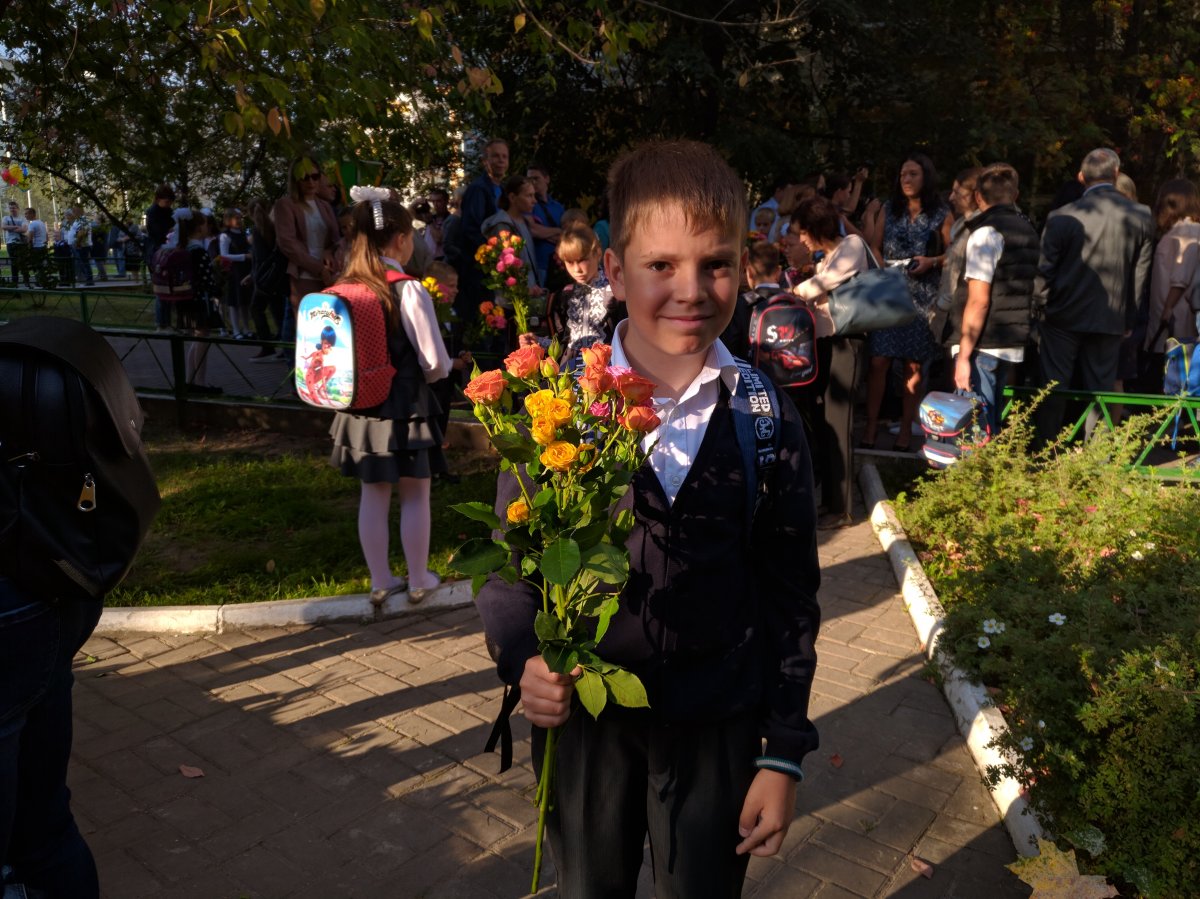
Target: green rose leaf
{"x":607,"y":562}
{"x":514,"y":447}
{"x":560,"y":658}
{"x":607,"y":609}
{"x":548,"y":628}
{"x":626,"y":689}
{"x":477,"y":583}
{"x":528,"y":565}
{"x":592,"y":694}
{"x":479,"y":556}
{"x":542,"y":497}
{"x":560,"y":561}
{"x":510,"y":574}
{"x":478,"y":512}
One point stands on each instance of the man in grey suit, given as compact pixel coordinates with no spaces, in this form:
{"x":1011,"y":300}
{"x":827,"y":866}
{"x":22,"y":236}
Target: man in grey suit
{"x":1093,"y":274}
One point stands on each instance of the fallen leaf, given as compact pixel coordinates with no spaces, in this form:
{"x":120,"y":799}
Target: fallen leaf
{"x":189,"y":771}
{"x":835,"y":760}
{"x":921,"y":866}
{"x":1054,"y":874}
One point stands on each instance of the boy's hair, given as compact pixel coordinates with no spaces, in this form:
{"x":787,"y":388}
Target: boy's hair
{"x":688,"y":173}
{"x":969,"y":177}
{"x":442,"y":272}
{"x":31,"y":213}
{"x":577,"y":242}
{"x":572,"y":216}
{"x":998,"y":183}
{"x":763,"y":258}
{"x":363,"y":263}
{"x":164,"y":192}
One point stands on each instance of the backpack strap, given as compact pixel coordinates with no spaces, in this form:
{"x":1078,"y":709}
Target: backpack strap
{"x":756,"y":421}
{"x":502,"y":729}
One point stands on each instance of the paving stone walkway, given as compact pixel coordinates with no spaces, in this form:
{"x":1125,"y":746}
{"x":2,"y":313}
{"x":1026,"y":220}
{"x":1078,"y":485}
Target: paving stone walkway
{"x":345,"y":761}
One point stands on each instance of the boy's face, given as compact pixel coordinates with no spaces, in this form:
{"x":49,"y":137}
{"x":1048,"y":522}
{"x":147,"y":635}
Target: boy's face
{"x":680,"y":287}
{"x":584,"y":271}
{"x":763,"y":220}
{"x":449,"y":287}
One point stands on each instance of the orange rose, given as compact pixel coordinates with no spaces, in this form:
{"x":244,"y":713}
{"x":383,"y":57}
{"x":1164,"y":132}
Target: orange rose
{"x":597,"y":354}
{"x":559,"y":412}
{"x":595,"y":380}
{"x":634,"y":389}
{"x":639,"y":418}
{"x":518,"y":512}
{"x":543,"y":431}
{"x":536,"y":404}
{"x":560,"y":455}
{"x":524,"y":362}
{"x":486,"y":307}
{"x":487,"y":388}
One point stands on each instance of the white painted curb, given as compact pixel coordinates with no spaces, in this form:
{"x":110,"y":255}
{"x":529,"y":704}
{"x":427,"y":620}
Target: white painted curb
{"x":978,"y":719}
{"x":274,"y":613}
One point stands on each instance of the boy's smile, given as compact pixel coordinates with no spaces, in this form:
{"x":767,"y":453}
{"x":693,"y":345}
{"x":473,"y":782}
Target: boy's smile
{"x":680,"y":287}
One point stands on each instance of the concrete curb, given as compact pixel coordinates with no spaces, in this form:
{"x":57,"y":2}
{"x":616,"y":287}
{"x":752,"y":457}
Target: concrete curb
{"x":275,"y":613}
{"x":978,"y":719}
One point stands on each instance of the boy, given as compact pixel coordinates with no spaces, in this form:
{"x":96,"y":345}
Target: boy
{"x":763,"y":273}
{"x":718,"y":620}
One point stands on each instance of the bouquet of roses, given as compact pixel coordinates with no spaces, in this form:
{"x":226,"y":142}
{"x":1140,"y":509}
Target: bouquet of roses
{"x":500,"y":260}
{"x":441,"y":303}
{"x":573,"y":445}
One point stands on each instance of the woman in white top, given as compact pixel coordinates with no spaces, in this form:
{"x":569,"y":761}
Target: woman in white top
{"x":1176,"y":264}
{"x":839,"y":358}
{"x":306,"y":231}
{"x":399,"y":441}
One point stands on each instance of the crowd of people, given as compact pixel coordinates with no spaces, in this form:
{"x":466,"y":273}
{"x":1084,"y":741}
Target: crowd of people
{"x":70,"y":252}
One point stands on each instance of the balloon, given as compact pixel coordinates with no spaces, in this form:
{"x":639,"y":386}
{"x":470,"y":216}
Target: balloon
{"x":15,"y":171}
{"x":25,"y":170}
{"x":7,"y":176}
{"x":23,"y":184}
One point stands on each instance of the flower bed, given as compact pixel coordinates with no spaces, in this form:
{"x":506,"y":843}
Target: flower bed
{"x":1072,"y":591}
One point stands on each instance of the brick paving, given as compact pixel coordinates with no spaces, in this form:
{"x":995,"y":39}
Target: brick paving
{"x":345,"y":761}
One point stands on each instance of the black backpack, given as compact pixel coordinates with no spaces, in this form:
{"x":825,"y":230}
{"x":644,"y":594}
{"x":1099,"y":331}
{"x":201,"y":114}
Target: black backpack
{"x":782,"y":338}
{"x":76,"y":492}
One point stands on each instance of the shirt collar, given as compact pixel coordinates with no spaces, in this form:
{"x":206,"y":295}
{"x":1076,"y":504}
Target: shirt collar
{"x":1097,"y":186}
{"x":388,"y":262}
{"x":719,"y":363}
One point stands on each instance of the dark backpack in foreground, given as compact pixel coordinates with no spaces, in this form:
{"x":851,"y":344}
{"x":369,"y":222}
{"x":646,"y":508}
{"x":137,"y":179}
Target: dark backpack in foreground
{"x":782,"y":339}
{"x":76,"y":492}
{"x":171,"y":274}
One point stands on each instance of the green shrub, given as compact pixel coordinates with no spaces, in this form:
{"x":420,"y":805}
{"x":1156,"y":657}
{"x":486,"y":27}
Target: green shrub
{"x":1072,"y":587}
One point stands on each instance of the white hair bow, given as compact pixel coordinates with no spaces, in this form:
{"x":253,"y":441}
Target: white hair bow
{"x":182,"y":214}
{"x":362,"y":193}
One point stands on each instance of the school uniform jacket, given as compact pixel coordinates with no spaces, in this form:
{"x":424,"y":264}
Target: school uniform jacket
{"x":713,"y":624}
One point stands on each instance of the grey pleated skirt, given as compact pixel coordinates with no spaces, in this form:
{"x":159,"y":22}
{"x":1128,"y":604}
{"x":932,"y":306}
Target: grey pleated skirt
{"x":383,"y":450}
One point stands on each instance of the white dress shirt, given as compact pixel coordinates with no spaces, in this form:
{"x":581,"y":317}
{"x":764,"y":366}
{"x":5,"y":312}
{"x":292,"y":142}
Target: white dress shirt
{"x":421,"y":325}
{"x":673,"y":445}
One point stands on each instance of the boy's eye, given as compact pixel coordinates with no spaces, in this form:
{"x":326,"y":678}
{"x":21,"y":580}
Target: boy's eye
{"x":657,"y":266}
{"x":717,"y":264}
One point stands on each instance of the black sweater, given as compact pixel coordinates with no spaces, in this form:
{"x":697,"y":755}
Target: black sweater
{"x":711,"y":626}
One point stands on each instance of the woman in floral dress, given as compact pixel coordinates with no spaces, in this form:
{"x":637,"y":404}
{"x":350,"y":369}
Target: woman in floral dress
{"x":903,"y":231}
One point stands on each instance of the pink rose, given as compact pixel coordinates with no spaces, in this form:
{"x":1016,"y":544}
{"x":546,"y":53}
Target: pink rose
{"x":510,"y":281}
{"x":500,"y":266}
{"x":600,"y":410}
{"x":516,"y":263}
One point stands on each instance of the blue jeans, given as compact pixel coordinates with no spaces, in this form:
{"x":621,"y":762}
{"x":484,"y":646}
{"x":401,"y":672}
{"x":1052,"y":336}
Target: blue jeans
{"x":83,"y":264}
{"x":41,"y":848}
{"x":989,"y":376}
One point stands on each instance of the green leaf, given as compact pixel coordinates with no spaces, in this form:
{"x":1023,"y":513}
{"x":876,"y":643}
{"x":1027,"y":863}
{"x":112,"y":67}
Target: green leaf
{"x":609,"y":563}
{"x":561,"y":658}
{"x":514,"y":447}
{"x":317,"y":7}
{"x":547,"y":627}
{"x":542,"y":497}
{"x":425,"y":24}
{"x":528,"y":565}
{"x":607,"y":609}
{"x":560,"y":561}
{"x":479,"y":556}
{"x":477,"y":583}
{"x":478,"y":512}
{"x":592,"y":694}
{"x":626,"y":689}
{"x":510,"y":574}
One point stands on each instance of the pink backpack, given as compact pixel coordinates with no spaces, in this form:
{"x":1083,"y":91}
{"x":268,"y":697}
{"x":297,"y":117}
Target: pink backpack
{"x":342,"y":359}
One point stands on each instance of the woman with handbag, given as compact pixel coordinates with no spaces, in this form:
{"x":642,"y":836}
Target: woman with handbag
{"x":839,"y":357}
{"x":903,"y":231}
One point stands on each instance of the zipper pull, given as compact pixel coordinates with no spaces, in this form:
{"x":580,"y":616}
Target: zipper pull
{"x":87,"y":496}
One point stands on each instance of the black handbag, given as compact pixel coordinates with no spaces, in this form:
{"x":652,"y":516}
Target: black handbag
{"x":871,"y":300}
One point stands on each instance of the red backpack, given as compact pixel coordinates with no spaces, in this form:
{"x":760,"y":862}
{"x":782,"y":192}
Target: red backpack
{"x":342,"y":359}
{"x":783,"y":337}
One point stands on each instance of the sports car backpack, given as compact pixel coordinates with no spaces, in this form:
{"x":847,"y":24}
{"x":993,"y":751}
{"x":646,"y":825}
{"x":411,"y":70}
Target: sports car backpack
{"x":783,"y":339}
{"x":954,"y":425}
{"x":342,"y":359}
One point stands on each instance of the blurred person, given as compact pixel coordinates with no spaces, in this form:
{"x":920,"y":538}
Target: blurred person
{"x":1176,"y":264}
{"x":479,"y":203}
{"x":306,"y":232}
{"x":234,"y":256}
{"x":39,"y":241}
{"x":268,"y":271}
{"x":15,"y":241}
{"x":545,"y":221}
{"x":517,"y":200}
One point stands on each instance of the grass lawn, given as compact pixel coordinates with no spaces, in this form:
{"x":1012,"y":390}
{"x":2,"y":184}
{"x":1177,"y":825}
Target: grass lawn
{"x":251,"y":516}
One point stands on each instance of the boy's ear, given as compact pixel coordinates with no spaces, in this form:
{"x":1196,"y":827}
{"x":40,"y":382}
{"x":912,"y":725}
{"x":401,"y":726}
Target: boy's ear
{"x":616,"y":273}
{"x":744,"y":262}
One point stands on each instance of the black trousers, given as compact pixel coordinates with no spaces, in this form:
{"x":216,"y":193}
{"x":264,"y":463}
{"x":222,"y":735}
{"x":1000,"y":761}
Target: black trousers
{"x":1062,"y":355}
{"x":827,"y":407}
{"x":624,"y":776}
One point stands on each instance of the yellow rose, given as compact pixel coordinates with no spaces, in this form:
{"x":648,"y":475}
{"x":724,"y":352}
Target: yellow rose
{"x":536,"y":404}
{"x":518,"y":512}
{"x":559,"y":411}
{"x":559,"y":455}
{"x":543,"y":431}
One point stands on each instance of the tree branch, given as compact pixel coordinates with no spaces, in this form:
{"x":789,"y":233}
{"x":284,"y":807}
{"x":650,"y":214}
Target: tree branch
{"x":782,"y":20}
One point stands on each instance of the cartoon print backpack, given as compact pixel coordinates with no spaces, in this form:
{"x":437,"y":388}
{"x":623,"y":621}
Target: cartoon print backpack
{"x":1181,"y":374}
{"x":77,"y":495}
{"x":783,"y":339}
{"x":342,"y":359}
{"x":954,"y":425}
{"x":171,"y":274}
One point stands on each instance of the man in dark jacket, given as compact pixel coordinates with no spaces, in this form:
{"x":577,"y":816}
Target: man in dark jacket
{"x":1093,"y":274}
{"x":478,"y":204}
{"x":991,"y":314}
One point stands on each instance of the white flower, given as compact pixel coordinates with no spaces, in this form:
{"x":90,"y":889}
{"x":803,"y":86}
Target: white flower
{"x":1026,"y":743}
{"x":1041,"y":724}
{"x":999,"y":627}
{"x":983,"y":642}
{"x":989,"y":626}
{"x":1151,"y":546}
{"x":1133,"y":533}
{"x":1137,"y":555}
{"x":1058,"y":618}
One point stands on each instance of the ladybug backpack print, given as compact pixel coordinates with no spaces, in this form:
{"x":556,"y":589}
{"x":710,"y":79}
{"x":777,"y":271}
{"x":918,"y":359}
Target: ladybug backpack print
{"x":782,"y":338}
{"x":342,"y":359}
